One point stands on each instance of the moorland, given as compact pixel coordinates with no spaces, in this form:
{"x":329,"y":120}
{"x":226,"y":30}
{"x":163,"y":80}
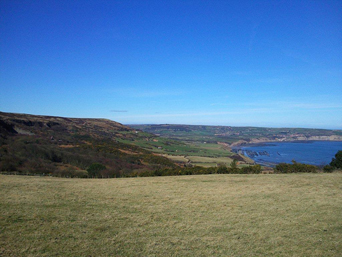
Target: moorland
{"x":79,"y":147}
{"x":68,"y":146}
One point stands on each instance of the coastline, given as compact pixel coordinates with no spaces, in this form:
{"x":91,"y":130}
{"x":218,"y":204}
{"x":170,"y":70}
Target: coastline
{"x":271,"y":153}
{"x":254,"y":142}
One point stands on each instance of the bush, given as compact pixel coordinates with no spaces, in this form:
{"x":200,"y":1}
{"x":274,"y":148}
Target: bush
{"x":11,"y":163}
{"x":71,"y":173}
{"x":94,"y":170}
{"x":328,"y":169}
{"x":222,"y":170}
{"x":255,"y":169}
{"x":233,"y":167}
{"x":337,"y":161}
{"x":295,"y":167}
{"x":81,"y":173}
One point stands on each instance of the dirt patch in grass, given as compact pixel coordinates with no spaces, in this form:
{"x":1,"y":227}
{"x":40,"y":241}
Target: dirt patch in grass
{"x":68,"y":146}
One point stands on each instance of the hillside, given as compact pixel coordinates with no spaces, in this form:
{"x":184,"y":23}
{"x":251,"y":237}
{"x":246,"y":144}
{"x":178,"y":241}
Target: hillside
{"x":80,"y":147}
{"x":233,"y":136}
{"x":69,"y":146}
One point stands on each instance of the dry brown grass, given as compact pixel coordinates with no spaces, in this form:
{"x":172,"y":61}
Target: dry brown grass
{"x":210,"y":215}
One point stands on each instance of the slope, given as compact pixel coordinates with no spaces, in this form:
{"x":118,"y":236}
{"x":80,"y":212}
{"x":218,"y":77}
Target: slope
{"x":32,"y":144}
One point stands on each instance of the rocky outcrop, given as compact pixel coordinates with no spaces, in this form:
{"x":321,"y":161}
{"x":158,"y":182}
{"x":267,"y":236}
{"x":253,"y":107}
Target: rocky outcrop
{"x":287,"y":139}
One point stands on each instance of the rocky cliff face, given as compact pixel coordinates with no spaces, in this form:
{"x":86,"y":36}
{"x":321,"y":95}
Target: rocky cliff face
{"x":288,"y":139}
{"x":324,"y":138}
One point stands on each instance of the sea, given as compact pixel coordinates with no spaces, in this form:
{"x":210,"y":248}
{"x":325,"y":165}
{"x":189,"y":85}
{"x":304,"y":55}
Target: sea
{"x":309,"y":152}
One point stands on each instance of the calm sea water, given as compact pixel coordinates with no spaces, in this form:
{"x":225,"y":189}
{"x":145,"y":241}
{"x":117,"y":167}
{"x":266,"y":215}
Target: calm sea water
{"x":309,"y":152}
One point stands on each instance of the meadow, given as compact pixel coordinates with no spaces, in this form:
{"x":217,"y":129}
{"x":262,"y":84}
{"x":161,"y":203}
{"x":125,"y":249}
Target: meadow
{"x":199,"y":153}
{"x":204,"y":215}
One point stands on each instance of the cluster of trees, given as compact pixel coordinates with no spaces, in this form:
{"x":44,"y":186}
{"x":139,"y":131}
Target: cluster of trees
{"x":197,"y":170}
{"x":336,"y":163}
{"x":295,"y":167}
{"x":98,"y":170}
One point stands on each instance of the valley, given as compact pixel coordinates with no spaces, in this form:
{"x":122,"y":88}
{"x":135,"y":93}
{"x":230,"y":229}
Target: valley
{"x":79,"y":147}
{"x":210,"y":145}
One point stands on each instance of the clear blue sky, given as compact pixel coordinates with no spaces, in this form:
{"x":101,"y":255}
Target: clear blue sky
{"x":257,"y":63}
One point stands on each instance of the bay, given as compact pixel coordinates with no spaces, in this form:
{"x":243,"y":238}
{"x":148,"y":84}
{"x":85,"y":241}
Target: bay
{"x":308,"y":152}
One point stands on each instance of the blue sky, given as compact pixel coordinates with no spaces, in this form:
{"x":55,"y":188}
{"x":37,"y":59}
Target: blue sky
{"x":239,"y":63}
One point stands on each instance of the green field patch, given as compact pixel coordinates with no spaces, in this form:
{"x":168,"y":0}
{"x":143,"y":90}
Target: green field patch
{"x":204,"y":164}
{"x":176,"y":158}
{"x":182,"y":142}
{"x":201,"y":159}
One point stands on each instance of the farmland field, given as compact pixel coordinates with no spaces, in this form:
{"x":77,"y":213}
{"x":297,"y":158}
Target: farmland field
{"x":198,"y":152}
{"x":208,"y":215}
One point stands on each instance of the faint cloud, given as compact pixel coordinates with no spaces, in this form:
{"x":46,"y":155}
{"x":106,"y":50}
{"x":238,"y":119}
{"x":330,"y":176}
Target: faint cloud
{"x":192,"y":114}
{"x":295,"y":55}
{"x":220,"y":104}
{"x":145,"y":93}
{"x":312,"y":106}
{"x":283,"y":105}
{"x":118,"y":111}
{"x":276,"y":106}
{"x":271,"y":80}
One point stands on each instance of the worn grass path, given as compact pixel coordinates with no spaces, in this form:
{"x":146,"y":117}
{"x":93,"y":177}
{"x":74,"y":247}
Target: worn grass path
{"x":209,"y":215}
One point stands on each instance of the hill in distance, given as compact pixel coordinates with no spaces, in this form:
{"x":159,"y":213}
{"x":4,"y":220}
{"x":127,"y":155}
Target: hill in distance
{"x":214,"y":145}
{"x":233,"y":136}
{"x":62,"y":146}
{"x":33,"y":144}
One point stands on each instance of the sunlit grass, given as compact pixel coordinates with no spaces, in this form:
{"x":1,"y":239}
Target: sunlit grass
{"x":209,"y":215}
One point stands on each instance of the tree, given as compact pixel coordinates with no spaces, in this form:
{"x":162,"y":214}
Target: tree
{"x":328,"y":168}
{"x":222,"y":169}
{"x":337,"y":161}
{"x":95,"y":169}
{"x":234,"y":166}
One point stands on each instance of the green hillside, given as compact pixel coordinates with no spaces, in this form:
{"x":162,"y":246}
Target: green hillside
{"x":237,"y":135}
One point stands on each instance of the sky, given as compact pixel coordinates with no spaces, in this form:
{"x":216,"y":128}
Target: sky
{"x":237,"y":63}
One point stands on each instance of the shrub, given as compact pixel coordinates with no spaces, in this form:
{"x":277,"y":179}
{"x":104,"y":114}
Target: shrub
{"x":255,"y":169}
{"x":328,"y":169}
{"x":295,"y":167}
{"x":94,"y":170}
{"x":337,"y":161}
{"x":233,"y":166}
{"x":11,"y":163}
{"x":81,"y":173}
{"x":222,"y":170}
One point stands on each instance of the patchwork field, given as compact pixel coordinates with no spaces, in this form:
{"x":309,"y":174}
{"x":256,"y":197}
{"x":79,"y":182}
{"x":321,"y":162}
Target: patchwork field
{"x":198,"y":153}
{"x":208,"y":215}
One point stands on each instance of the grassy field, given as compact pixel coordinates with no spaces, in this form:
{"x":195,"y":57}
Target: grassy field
{"x":199,"y":160}
{"x":209,"y":215}
{"x":172,"y":147}
{"x":199,"y":153}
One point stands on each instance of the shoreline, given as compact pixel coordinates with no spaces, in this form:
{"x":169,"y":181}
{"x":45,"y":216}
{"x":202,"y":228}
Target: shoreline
{"x":262,"y":142}
{"x":271,"y":153}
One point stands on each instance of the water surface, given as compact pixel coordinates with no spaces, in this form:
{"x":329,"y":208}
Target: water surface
{"x":308,"y":152}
